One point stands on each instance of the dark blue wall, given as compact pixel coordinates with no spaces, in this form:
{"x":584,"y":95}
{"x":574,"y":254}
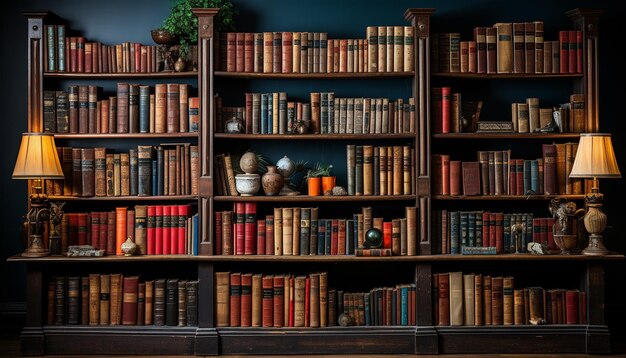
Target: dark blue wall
{"x":115,"y":21}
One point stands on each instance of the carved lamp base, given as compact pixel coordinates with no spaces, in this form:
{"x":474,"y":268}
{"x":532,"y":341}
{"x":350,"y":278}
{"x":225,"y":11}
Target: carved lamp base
{"x":596,"y":246}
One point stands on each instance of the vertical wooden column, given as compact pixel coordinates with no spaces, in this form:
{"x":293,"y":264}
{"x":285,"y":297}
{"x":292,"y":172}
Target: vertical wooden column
{"x":205,"y":92}
{"x":32,"y":338}
{"x":598,"y":339}
{"x":206,"y":342}
{"x":420,"y":20}
{"x":35,"y":69}
{"x":586,"y":20}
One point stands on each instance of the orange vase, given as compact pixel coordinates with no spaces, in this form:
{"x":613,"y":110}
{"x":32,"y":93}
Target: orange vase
{"x":328,"y":183}
{"x":315,"y":186}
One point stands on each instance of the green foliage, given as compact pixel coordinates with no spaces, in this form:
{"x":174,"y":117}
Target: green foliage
{"x":319,"y":170}
{"x":182,"y":23}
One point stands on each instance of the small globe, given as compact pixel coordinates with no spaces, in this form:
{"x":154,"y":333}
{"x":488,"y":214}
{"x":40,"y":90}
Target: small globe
{"x":285,"y":166}
{"x":249,"y":163}
{"x":373,"y":238}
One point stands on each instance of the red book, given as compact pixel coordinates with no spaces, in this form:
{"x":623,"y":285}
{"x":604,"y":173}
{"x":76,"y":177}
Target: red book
{"x":73,"y":54}
{"x":446,"y":92}
{"x":455,"y":177}
{"x":260,"y":237}
{"x":445,"y":172}
{"x":246,"y":300}
{"x":499,"y":233}
{"x":240,"y":36}
{"x":291,"y":302}
{"x":341,"y":237}
{"x":250,"y":229}
{"x":387,"y":232}
{"x":492,"y":230}
{"x":334,"y":237}
{"x":543,"y":234}
{"x":582,"y":308}
{"x":579,"y":51}
{"x":519,"y":171}
{"x":481,"y":49}
{"x":307,"y":301}
{"x":248,"y":113}
{"x":279,"y":296}
{"x":235,"y":299}
{"x":248,"y":52}
{"x":95,"y":229}
{"x":110,"y":233}
{"x":564,"y":51}
{"x":137,"y":57}
{"x":486,"y":228}
{"x":80,"y":54}
{"x":82,"y":229}
{"x":130,"y":224}
{"x":129,"y":301}
{"x":571,"y":303}
{"x":158,"y":230}
{"x":231,"y":52}
{"x":287,"y":52}
{"x":491,"y":34}
{"x":151,"y":230}
{"x":183,"y":213}
{"x":268,"y":301}
{"x":174,"y":229}
{"x":240,"y":215}
{"x":167,"y":216}
{"x":571,"y":53}
{"x":88,"y":56}
{"x":269,"y":234}
{"x":217,"y":238}
{"x":120,"y":229}
{"x":73,"y":234}
{"x":102,"y":230}
{"x":551,"y":243}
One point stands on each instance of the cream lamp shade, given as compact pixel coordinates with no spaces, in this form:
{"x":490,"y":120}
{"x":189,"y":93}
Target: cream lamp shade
{"x":595,"y":157}
{"x":37,"y":158}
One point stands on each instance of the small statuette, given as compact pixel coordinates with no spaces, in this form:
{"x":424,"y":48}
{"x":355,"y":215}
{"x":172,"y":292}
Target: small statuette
{"x":538,"y":248}
{"x":339,"y":191}
{"x":234,"y":125}
{"x":129,"y":247}
{"x":345,"y":320}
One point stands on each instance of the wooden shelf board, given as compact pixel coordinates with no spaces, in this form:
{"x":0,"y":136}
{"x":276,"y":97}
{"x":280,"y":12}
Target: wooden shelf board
{"x":346,"y":75}
{"x":317,"y":258}
{"x":505,"y":75}
{"x":187,"y":74}
{"x":314,"y":136}
{"x":125,"y":198}
{"x":125,"y":135}
{"x":314,"y":199}
{"x":480,"y":136}
{"x":505,"y":197}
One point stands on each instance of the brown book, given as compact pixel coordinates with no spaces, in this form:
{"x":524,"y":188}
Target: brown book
{"x":368,"y":170}
{"x":268,"y":51}
{"x":94,"y":299}
{"x":529,"y":39}
{"x":277,"y":52}
{"x":100,"y":171}
{"x":87,"y":158}
{"x":51,"y":299}
{"x":492,"y":54}
{"x":469,"y":297}
{"x":411,"y":229}
{"x":124,"y":173}
{"x":561,"y":178}
{"x":577,"y":115}
{"x":160,"y":108}
{"x":487,"y":300}
{"x":299,"y":301}
{"x":92,"y":112}
{"x":105,"y":295}
{"x":496,"y":301}
{"x":77,"y":178}
{"x":159,"y":302}
{"x":409,"y":51}
{"x":267,"y":301}
{"x":84,"y":300}
{"x":116,"y":299}
{"x":478,"y":300}
{"x":518,"y":307}
{"x":508,"y":300}
{"x":444,"y":299}
{"x":246,"y":300}
{"x":323,"y":299}
{"x":523,"y":119}
{"x":472,"y":178}
{"x":149,"y":302}
{"x":133,"y":108}
{"x":398,"y":185}
{"x":222,"y":298}
{"x":278,"y":300}
{"x":183,"y":107}
{"x":533,"y":114}
{"x":314,"y":300}
{"x":549,"y":169}
{"x":141,"y":224}
{"x":230,"y":175}
{"x":182,"y":303}
{"x":173,"y":108}
{"x":539,"y":46}
{"x":286,"y":231}
{"x":456,"y":299}
{"x":287,"y":52}
{"x":372,"y":48}
{"x":83,"y":109}
{"x":519,"y":47}
{"x":536,"y":305}
{"x":141,"y":304}
{"x":455,"y":177}
{"x":129,"y":301}
{"x":257,"y":300}
{"x":123,"y":92}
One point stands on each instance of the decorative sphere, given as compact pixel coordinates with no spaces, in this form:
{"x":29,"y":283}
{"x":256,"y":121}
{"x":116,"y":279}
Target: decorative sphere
{"x":285,"y":166}
{"x":249,"y":163}
{"x":373,"y":238}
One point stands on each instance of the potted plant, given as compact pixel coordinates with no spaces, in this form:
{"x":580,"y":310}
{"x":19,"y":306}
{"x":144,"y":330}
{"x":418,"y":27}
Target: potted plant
{"x":183,"y":24}
{"x":328,"y":180}
{"x":315,"y":179}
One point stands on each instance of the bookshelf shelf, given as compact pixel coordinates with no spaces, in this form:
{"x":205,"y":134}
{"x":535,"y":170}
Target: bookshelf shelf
{"x":291,"y":137}
{"x":341,"y":75}
{"x":314,"y":199}
{"x":127,"y":135}
{"x":187,"y":74}
{"x":480,"y":136}
{"x":484,"y":76}
{"x":506,"y":197}
{"x":125,"y":198}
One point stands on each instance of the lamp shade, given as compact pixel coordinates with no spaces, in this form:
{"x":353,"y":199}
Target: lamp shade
{"x":37,"y":158}
{"x":595,"y":157}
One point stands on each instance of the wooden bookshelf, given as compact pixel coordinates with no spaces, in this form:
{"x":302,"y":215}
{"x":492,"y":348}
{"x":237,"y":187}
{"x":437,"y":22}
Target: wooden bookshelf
{"x":325,"y":137}
{"x":486,"y":76}
{"x":513,"y":136}
{"x":304,"y":76}
{"x":114,"y":76}
{"x":126,"y":135}
{"x":125,"y":198}
{"x":506,"y":197}
{"x":315,"y":199}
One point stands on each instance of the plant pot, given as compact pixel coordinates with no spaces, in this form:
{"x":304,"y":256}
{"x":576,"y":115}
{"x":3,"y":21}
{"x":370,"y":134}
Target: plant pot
{"x":272,"y":181}
{"x":247,"y":184}
{"x":315,"y":186}
{"x":163,"y":37}
{"x":328,"y":183}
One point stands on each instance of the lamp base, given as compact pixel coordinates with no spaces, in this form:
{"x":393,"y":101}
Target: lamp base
{"x":35,"y":247}
{"x":596,"y":246}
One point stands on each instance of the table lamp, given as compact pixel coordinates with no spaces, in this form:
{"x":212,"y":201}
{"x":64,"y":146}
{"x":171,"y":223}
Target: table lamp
{"x":37,"y":159}
{"x":595,"y":159}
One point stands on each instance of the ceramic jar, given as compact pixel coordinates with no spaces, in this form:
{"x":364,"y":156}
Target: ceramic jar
{"x":272,"y":181}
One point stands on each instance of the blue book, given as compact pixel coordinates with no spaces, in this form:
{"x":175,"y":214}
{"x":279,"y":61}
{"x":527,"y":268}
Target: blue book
{"x":264,"y":102}
{"x":51,"y":47}
{"x":61,"y":46}
{"x":327,"y":239}
{"x":195,"y":234}
{"x":527,"y":180}
{"x":144,"y":109}
{"x":471,"y":229}
{"x":529,"y":232}
{"x":455,"y":223}
{"x":321,"y":237}
{"x":478,"y":237}
{"x":331,"y":112}
{"x":159,"y":151}
{"x":270,"y":113}
{"x":154,"y":177}
{"x":404,"y":301}
{"x":313,"y":232}
{"x":368,"y":320}
{"x":534,"y":176}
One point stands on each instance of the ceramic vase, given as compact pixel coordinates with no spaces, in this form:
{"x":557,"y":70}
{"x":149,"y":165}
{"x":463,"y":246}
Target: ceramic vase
{"x":272,"y":181}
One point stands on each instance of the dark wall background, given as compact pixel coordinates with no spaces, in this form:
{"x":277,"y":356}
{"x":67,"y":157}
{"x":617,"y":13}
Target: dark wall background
{"x":114,"y":21}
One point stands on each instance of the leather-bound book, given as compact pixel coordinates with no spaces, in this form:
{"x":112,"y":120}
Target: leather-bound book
{"x":123,"y":98}
{"x":561,"y":179}
{"x":577,"y":114}
{"x":492,"y":54}
{"x":116,"y":299}
{"x":222,"y":298}
{"x":257,"y":299}
{"x":144,"y":169}
{"x":455,"y":177}
{"x":478,"y":300}
{"x":100,"y":171}
{"x":240,"y":51}
{"x":536,"y":304}
{"x":409,"y":52}
{"x":73,"y":300}
{"x":481,"y":49}
{"x":572,"y":314}
{"x":133,"y":171}
{"x":77,"y":184}
{"x":469,"y":298}
{"x":508,"y":300}
{"x":268,"y":50}
{"x":141,"y":222}
{"x":444,"y":299}
{"x":120,"y":229}
{"x":372,"y":48}
{"x":314,"y":299}
{"x":549,"y":169}
{"x":277,"y":50}
{"x":267,"y":301}
{"x":235,"y":300}
{"x":487,"y":281}
{"x":159,"y":302}
{"x":87,"y":180}
{"x":518,"y":304}
{"x":84,"y":301}
{"x":171,"y":302}
{"x":73,"y":115}
{"x":149,"y":303}
{"x":472,"y":178}
{"x":278,"y":297}
{"x":299,"y":300}
{"x":105,"y":297}
{"x":456,"y":298}
{"x":287,"y":52}
{"x":124,"y":173}
{"x":182,"y":303}
{"x":246,"y":300}
{"x":173,"y":108}
{"x":249,"y":229}
{"x":519,"y":48}
{"x":110,"y":174}
{"x":183,"y":103}
{"x":496,"y":301}
{"x":141,"y":304}
{"x":191,"y":292}
{"x":129,"y":303}
{"x":94,"y":299}
{"x":160,"y":108}
{"x":83,"y":109}
{"x":504,"y":48}
{"x":323,"y":299}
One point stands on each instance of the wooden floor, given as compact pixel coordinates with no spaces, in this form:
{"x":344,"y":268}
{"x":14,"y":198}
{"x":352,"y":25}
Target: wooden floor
{"x":11,"y":348}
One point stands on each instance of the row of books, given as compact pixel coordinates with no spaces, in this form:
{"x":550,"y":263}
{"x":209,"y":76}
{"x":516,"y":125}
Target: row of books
{"x":380,"y":170}
{"x":300,"y":231}
{"x":569,"y":117}
{"x":496,"y":173}
{"x":115,"y":299}
{"x":155,"y":229}
{"x":508,"y":48}
{"x":476,"y":300}
{"x":488,"y":232}
{"x":286,"y":300}
{"x":385,"y":49}
{"x":64,"y":53}
{"x":168,"y":169}
{"x":134,"y":109}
